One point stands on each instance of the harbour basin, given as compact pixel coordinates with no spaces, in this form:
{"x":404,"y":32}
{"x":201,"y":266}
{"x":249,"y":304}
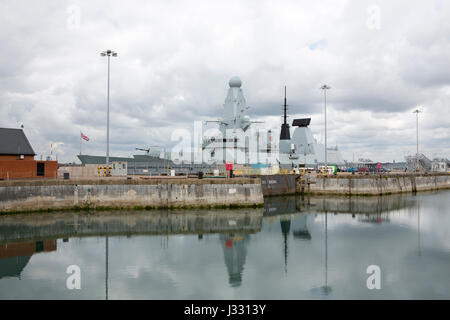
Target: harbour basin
{"x":294,"y":248}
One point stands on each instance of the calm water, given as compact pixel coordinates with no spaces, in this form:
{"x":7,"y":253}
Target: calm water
{"x":294,"y":248}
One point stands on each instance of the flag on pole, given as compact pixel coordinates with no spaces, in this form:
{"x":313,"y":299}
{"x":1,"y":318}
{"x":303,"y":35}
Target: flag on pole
{"x":84,"y":137}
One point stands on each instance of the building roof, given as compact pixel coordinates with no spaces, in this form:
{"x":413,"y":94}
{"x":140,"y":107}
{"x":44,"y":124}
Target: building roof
{"x":13,"y":267}
{"x":14,"y":142}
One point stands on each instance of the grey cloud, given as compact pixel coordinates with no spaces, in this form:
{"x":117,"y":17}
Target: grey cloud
{"x":175,"y":61}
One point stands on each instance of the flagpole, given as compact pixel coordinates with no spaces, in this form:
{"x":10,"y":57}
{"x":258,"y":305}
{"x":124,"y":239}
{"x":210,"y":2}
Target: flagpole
{"x":80,"y":143}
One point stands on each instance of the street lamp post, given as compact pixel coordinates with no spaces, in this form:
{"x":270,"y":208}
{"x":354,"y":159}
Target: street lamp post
{"x":417,"y":111}
{"x":325,"y":88}
{"x":108,"y":53}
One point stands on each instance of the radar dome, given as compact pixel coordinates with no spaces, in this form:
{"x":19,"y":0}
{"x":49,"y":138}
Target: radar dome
{"x":235,"y":82}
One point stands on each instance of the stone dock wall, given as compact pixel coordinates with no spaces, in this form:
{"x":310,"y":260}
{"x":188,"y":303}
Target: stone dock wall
{"x":154,"y":193}
{"x":371,"y":184}
{"x":38,"y":195}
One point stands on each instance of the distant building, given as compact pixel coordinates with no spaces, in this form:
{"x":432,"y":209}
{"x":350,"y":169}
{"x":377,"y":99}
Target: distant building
{"x":440,"y":165}
{"x":17,"y":158}
{"x":424,"y":164}
{"x":418,"y":162}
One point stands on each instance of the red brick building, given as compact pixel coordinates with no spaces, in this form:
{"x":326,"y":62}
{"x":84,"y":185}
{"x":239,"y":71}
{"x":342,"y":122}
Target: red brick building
{"x":19,"y":249}
{"x":17,"y":158}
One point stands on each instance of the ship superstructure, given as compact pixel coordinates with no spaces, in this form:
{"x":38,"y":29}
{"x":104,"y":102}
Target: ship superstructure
{"x":237,"y":139}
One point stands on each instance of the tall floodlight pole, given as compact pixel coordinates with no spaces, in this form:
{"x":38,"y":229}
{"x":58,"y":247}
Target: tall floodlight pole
{"x":417,"y":111}
{"x":108,"y":53}
{"x":325,"y":88}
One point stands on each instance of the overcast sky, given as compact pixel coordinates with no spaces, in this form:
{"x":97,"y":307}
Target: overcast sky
{"x":381,"y":58}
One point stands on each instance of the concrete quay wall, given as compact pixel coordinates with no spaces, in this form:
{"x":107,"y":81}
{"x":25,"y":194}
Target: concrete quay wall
{"x":177,"y":193}
{"x":372,"y":184}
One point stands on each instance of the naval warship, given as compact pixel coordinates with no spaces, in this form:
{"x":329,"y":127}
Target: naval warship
{"x":238,"y":140}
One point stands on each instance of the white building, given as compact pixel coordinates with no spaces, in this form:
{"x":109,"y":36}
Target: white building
{"x":440,"y":165}
{"x":119,"y":168}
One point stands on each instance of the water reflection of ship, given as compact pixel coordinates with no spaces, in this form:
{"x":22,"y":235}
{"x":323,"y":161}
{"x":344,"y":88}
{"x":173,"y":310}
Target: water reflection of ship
{"x":276,"y":206}
{"x":15,"y":256}
{"x":285,"y":228}
{"x":301,"y":231}
{"x":288,"y":210}
{"x":238,"y":223}
{"x":235,"y":251}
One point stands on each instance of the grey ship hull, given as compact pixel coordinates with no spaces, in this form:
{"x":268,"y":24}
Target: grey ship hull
{"x":88,"y":159}
{"x":148,"y":165}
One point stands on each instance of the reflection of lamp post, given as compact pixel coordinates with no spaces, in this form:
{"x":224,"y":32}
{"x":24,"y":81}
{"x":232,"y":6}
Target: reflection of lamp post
{"x":108,"y":53}
{"x":326,"y":249}
{"x":326,"y":289}
{"x":106,"y":268}
{"x":418,"y":225}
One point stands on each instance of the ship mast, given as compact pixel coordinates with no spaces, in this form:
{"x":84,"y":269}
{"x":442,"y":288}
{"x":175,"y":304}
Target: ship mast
{"x":285,"y":133}
{"x":285,"y":106}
